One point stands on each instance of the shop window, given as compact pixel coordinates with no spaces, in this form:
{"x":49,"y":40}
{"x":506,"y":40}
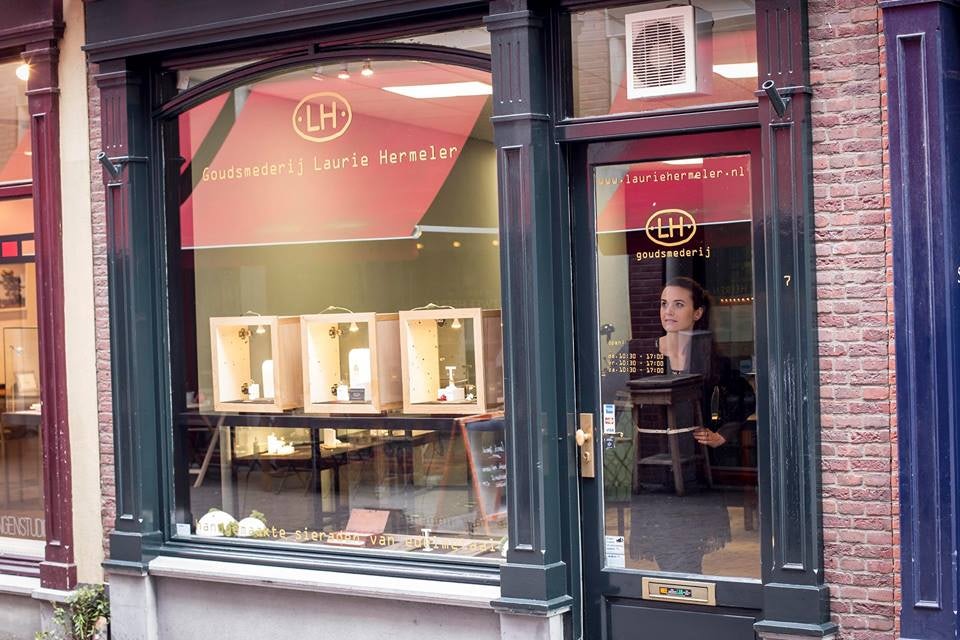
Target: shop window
{"x":663,"y":56}
{"x":21,"y":453}
{"x":340,"y":316}
{"x":15,"y":153}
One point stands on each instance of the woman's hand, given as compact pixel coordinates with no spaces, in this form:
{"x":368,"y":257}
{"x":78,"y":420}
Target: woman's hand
{"x":707,"y":437}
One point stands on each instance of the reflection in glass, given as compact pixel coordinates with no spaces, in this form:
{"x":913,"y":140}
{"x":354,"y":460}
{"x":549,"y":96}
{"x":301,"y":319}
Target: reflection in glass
{"x":15,"y":152}
{"x":663,"y":68}
{"x":677,"y":365}
{"x":21,"y":450}
{"x":400,"y":490}
{"x":336,"y":207}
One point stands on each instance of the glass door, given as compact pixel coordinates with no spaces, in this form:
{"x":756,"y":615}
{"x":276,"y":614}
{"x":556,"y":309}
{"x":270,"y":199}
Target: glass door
{"x":667,"y":371}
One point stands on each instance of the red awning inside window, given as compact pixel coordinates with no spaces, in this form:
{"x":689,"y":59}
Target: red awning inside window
{"x":266,"y":184}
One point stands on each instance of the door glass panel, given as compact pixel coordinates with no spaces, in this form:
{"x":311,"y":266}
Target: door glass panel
{"x":677,"y":369}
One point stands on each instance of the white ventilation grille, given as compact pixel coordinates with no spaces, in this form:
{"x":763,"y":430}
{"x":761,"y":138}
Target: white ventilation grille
{"x":661,"y":52}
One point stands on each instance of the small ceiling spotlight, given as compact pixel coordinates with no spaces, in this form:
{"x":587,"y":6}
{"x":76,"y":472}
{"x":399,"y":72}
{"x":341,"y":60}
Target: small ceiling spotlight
{"x":344,"y":73}
{"x":23,"y":71}
{"x":456,"y":324}
{"x":318,"y":73}
{"x":367,"y":70}
{"x":457,"y":244}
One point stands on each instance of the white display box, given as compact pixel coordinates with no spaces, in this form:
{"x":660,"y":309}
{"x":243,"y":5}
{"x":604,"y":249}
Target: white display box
{"x":467,"y":343}
{"x":351,"y":362}
{"x":256,"y":363}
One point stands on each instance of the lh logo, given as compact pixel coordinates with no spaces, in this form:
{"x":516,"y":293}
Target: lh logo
{"x":322,"y":117}
{"x":671,"y":227}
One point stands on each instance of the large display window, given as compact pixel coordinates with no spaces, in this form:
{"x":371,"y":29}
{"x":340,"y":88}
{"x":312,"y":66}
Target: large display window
{"x":342,"y":379}
{"x":21,"y":452}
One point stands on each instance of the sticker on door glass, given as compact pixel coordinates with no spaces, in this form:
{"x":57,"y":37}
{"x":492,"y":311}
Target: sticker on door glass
{"x":609,"y":418}
{"x":613,"y":549}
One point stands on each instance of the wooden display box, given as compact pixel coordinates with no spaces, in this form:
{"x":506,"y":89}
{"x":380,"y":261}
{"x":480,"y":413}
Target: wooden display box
{"x":239,"y":347}
{"x":358,"y":350}
{"x":432,"y":341}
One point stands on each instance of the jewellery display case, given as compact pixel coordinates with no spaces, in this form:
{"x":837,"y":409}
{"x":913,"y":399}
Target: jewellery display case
{"x":452,"y":360}
{"x":351,"y":362}
{"x":256,"y":363}
{"x":21,"y":368}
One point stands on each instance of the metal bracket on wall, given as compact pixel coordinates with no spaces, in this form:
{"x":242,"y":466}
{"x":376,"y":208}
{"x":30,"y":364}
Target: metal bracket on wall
{"x":778,"y":101}
{"x":112,"y":169}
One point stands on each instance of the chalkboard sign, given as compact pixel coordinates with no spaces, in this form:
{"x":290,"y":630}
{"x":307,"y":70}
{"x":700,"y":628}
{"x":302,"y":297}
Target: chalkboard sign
{"x":484,"y":439}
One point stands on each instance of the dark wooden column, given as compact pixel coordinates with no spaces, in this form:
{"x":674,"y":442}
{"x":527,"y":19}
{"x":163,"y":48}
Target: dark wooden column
{"x":58,"y":570}
{"x":137,"y":354}
{"x":796,"y":602}
{"x":536,"y":313}
{"x":923,"y":76}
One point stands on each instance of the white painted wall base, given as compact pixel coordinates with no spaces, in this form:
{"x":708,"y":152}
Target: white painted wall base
{"x":133,"y":608}
{"x":20,"y":616}
{"x":191,"y":610}
{"x":520,"y":627}
{"x":198,"y":600}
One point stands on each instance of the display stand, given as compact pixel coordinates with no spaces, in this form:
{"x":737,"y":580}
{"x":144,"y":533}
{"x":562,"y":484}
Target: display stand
{"x":256,"y":363}
{"x":351,"y":363}
{"x":452,"y":360}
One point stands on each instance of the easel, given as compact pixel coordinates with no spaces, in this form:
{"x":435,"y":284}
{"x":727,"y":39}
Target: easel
{"x":488,"y":491}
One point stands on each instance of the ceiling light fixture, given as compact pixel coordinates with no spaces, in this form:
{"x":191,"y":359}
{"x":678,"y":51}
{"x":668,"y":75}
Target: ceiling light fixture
{"x":367,"y":70}
{"x":446,"y":90}
{"x":344,"y":73}
{"x":318,"y":73}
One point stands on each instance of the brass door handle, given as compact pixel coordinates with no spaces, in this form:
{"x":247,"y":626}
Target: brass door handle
{"x":584,"y":438}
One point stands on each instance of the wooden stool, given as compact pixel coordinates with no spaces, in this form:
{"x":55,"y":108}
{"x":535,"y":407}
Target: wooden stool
{"x":670,"y":392}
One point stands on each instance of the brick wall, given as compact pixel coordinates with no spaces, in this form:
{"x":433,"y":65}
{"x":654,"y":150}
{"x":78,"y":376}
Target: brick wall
{"x":108,"y":509}
{"x":855,"y":316}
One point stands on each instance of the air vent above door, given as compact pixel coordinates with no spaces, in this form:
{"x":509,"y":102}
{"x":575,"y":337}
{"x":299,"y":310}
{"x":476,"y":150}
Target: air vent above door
{"x":661,"y":52}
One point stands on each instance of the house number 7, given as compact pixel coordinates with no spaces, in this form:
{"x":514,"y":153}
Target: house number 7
{"x":788,"y":278}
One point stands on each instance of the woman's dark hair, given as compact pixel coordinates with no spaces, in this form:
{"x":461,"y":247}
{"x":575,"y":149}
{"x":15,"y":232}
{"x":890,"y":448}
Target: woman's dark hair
{"x":699,"y":295}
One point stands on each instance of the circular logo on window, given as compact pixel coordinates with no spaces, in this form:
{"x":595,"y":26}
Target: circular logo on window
{"x":671,"y":227}
{"x":322,"y":117}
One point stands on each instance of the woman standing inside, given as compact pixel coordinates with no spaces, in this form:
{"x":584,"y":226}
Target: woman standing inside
{"x":684,"y":315}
